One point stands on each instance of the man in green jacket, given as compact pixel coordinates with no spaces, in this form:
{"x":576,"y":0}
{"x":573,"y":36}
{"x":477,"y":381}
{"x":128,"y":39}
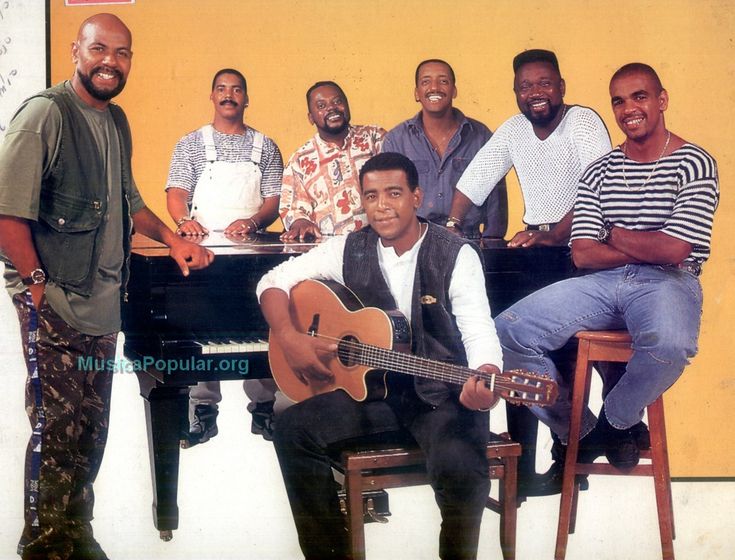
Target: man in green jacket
{"x":67,"y":203}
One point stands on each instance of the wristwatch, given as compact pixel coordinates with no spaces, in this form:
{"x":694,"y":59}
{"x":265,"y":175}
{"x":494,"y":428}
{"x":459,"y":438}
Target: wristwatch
{"x":603,"y":235}
{"x":37,"y":276}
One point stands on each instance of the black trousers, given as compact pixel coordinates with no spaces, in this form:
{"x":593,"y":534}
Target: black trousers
{"x":453,"y":438}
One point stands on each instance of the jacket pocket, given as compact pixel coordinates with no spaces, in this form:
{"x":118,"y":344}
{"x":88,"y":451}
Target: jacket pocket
{"x":65,"y":236}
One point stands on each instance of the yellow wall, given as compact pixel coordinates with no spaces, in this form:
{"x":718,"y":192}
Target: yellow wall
{"x":371,"y":48}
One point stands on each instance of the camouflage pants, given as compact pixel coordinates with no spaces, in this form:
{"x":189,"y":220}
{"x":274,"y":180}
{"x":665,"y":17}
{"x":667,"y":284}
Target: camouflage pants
{"x":68,"y":406}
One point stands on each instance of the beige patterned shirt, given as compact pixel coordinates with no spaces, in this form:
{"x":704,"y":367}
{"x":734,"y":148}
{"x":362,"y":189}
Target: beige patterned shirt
{"x":321,"y":181}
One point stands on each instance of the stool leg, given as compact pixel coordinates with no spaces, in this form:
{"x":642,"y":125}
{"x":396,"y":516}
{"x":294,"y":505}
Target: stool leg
{"x":573,"y":517}
{"x":667,"y":470}
{"x":661,"y":478}
{"x":507,"y":494}
{"x":355,"y":520}
{"x":579,"y":392}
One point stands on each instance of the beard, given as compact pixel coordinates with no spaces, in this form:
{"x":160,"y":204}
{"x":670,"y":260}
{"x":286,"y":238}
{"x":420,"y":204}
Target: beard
{"x":543,"y":120}
{"x":336,"y":128}
{"x":97,"y":93}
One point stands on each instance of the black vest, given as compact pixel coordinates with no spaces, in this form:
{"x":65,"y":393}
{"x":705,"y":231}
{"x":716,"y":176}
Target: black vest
{"x":434,"y":330}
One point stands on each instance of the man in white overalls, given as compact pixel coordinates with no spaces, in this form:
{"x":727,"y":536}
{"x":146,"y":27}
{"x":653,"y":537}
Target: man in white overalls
{"x":225,"y":176}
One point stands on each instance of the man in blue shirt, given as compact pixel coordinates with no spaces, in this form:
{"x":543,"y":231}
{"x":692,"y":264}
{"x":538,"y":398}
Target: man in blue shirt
{"x":441,"y":142}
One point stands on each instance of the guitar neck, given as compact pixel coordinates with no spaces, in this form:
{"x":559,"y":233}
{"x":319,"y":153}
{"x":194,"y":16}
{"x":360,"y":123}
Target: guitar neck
{"x":381,"y":358}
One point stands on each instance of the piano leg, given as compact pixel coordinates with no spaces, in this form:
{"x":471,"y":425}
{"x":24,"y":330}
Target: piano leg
{"x":165,"y":414}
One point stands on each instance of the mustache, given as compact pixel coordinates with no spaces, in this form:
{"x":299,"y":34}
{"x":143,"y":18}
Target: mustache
{"x":228,"y":102}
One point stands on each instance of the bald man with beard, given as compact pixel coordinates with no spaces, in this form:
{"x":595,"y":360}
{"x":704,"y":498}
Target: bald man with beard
{"x":67,"y":198}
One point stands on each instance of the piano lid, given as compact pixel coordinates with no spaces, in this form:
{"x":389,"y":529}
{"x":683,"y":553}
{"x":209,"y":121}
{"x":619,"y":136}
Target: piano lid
{"x":220,"y":244}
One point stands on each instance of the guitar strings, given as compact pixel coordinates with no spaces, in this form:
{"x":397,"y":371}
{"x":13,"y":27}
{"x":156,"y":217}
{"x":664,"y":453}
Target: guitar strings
{"x":432,"y":369}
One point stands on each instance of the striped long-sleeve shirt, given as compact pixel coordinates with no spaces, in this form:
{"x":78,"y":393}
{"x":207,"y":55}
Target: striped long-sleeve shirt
{"x":676,"y":195}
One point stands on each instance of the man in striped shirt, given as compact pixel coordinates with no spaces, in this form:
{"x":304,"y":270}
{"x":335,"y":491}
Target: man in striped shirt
{"x":642,"y":227}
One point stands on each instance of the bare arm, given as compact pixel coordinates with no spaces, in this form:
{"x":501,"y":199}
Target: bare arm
{"x":627,"y":247}
{"x":261,"y":219}
{"x":654,"y":247}
{"x":17,"y":244}
{"x":186,"y":254}
{"x":588,"y":253}
{"x":178,"y":208}
{"x":460,"y":206}
{"x":268,"y":212}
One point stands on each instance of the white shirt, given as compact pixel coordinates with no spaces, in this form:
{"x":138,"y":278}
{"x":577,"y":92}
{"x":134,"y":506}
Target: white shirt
{"x":548,"y":170}
{"x":467,"y":295}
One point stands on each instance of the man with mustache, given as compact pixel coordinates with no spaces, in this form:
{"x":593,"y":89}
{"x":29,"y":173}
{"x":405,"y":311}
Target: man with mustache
{"x":642,"y":231}
{"x":441,"y":142}
{"x":550,"y":144}
{"x":226,"y":176}
{"x":67,"y":203}
{"x":320,"y":193}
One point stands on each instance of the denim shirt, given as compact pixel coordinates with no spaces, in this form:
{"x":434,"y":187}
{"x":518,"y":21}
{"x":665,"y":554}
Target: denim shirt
{"x":439,"y":176}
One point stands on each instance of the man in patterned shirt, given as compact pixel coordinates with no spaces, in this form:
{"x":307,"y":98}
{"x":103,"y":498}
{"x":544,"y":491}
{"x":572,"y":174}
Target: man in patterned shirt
{"x":550,"y":144}
{"x":320,"y":193}
{"x":642,"y":223}
{"x":225,"y":176}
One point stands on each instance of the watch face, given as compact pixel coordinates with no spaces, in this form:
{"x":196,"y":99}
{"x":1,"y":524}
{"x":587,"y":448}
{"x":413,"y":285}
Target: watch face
{"x":603,"y":234}
{"x":38,"y":276}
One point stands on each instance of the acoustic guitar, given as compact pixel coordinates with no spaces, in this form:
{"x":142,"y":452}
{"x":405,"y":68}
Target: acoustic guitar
{"x":372,"y":341}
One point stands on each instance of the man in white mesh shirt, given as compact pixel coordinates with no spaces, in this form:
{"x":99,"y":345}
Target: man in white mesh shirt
{"x":550,"y":144}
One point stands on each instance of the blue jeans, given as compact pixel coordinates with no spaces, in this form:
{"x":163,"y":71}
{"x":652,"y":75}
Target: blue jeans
{"x":660,"y":307}
{"x":453,"y":438}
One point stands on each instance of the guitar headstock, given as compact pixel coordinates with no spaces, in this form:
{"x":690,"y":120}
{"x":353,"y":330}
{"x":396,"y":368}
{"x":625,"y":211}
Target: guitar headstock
{"x":524,"y":387}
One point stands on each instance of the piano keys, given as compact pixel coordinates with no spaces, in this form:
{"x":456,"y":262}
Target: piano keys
{"x":212,"y":320}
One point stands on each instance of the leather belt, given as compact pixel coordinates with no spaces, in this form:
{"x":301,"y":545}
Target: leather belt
{"x":540,"y":227}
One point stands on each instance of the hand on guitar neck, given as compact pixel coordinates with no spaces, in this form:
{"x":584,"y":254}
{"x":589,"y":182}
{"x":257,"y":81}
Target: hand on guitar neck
{"x":476,"y":395}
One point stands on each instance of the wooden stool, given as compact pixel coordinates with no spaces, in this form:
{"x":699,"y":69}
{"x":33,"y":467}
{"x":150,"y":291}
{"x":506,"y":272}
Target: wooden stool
{"x":613,"y":346}
{"x":394,"y":466}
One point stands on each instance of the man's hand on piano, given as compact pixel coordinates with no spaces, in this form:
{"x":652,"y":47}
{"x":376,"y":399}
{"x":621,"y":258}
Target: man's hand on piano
{"x":190,"y":256}
{"x":241,"y":227}
{"x":307,"y":356}
{"x":300,"y":230}
{"x":191,"y":228}
{"x":476,"y":395}
{"x":529,"y":238}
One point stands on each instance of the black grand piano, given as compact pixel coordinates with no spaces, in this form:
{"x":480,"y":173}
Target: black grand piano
{"x":179,"y":331}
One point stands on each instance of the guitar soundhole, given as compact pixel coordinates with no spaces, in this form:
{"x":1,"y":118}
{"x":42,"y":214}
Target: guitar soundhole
{"x":348,"y":351}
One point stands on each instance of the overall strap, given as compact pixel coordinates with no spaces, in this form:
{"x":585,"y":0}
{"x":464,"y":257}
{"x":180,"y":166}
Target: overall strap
{"x":208,"y":138}
{"x":257,"y":152}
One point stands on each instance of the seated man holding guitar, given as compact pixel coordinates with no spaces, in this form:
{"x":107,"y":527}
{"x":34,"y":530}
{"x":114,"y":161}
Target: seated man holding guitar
{"x":435,"y":280}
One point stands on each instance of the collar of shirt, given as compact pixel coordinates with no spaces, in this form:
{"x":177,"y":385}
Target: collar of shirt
{"x":399,"y":272}
{"x":327,"y":146}
{"x":416,"y":124}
